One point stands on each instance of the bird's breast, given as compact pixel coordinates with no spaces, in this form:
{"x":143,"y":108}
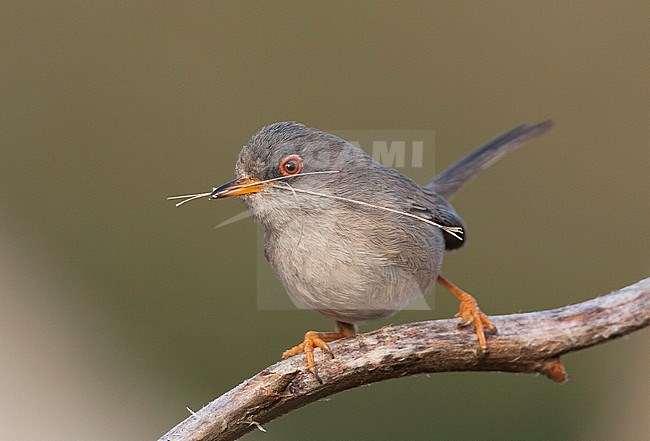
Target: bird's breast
{"x":351,"y":269}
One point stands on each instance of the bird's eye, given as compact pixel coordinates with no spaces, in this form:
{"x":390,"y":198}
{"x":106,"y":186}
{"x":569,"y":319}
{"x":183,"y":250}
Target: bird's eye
{"x":291,"y":165}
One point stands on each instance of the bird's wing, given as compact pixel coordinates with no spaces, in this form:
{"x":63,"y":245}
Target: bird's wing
{"x":441,"y":213}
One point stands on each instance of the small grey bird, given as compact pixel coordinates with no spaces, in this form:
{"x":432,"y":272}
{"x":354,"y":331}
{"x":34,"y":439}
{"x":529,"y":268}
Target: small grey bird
{"x":349,"y":237}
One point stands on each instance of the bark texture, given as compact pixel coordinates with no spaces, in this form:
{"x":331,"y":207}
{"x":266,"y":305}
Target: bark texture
{"x":531,"y":342}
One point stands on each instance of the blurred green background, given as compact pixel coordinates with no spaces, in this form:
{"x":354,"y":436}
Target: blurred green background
{"x":117,"y":310}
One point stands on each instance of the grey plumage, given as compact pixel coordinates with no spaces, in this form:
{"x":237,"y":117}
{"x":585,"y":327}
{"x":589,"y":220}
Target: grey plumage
{"x":350,"y":262}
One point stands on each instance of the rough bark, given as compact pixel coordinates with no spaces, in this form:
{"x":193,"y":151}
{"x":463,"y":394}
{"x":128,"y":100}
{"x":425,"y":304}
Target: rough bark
{"x":531,"y":342}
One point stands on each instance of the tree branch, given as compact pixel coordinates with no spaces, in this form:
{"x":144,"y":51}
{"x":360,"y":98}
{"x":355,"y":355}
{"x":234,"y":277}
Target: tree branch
{"x":531,"y":342}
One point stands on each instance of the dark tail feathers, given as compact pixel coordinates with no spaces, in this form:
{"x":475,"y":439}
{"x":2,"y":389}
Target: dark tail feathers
{"x":451,"y":180}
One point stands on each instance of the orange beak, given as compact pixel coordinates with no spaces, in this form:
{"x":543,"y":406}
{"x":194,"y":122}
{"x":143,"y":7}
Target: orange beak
{"x":237,"y":187}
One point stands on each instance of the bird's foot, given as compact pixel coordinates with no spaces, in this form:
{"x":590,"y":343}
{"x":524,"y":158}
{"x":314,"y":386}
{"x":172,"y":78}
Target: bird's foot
{"x":319,"y":340}
{"x":470,"y":313}
{"x":314,"y":340}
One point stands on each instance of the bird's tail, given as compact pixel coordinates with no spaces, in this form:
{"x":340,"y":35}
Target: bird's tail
{"x":453,"y":178}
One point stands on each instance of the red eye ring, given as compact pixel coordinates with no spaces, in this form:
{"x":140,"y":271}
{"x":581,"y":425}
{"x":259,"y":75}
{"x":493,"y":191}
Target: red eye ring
{"x":291,"y":165}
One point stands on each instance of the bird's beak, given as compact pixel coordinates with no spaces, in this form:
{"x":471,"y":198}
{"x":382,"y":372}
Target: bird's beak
{"x":237,"y":187}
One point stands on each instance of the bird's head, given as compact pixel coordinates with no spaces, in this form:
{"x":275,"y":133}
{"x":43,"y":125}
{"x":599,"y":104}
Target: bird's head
{"x":285,"y":158}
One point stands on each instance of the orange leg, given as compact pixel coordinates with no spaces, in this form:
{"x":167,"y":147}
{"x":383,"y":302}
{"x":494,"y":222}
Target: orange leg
{"x":469,"y":312}
{"x":314,"y":340}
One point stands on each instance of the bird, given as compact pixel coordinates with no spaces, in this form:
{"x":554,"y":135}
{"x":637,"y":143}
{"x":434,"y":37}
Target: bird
{"x":349,"y":237}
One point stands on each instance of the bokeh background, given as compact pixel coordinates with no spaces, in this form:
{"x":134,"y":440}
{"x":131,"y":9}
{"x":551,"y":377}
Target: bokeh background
{"x":118,"y":311}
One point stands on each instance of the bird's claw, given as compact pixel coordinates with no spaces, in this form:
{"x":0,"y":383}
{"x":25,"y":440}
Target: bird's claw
{"x":469,"y":314}
{"x":311,"y":341}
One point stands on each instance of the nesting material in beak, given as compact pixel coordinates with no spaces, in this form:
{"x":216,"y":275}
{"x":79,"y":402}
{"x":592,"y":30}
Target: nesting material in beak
{"x":237,"y":187}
